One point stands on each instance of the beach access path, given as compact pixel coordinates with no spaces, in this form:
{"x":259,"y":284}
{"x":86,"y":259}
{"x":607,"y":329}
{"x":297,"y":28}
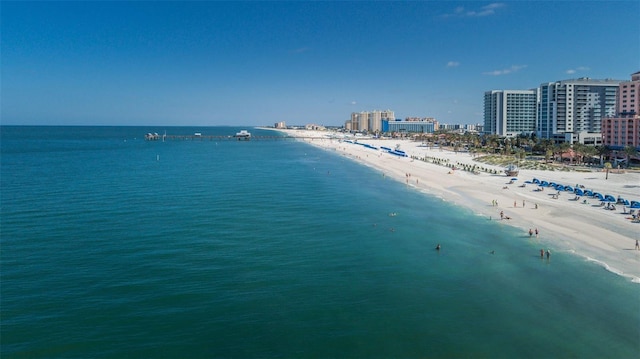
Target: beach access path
{"x":565,"y":224}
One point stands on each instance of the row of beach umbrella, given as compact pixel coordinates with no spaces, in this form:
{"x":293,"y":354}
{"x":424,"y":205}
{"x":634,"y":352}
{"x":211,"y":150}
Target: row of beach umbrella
{"x":586,"y":192}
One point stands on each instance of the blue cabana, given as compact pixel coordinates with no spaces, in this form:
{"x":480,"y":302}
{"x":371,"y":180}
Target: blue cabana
{"x":579,"y":192}
{"x":536,"y":181}
{"x":544,"y":184}
{"x":588,"y":192}
{"x":634,"y":204}
{"x":568,"y":188}
{"x":610,"y":198}
{"x":560,"y":187}
{"x":598,"y":196}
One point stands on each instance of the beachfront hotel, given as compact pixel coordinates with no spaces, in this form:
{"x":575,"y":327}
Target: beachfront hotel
{"x":623,"y":130}
{"x":427,"y":125}
{"x":510,"y":112}
{"x":573,"y":110}
{"x":569,"y":111}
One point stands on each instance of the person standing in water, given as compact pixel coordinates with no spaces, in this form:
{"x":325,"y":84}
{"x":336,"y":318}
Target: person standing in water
{"x":530,"y":232}
{"x":438,"y":247}
{"x":541,"y":253}
{"x":548,"y":254}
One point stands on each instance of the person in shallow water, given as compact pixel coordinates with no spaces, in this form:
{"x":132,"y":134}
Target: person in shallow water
{"x":438,"y":247}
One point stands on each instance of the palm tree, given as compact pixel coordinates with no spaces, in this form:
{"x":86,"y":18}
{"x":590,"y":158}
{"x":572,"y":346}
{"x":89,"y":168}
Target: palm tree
{"x":607,"y":167}
{"x":562,"y":148}
{"x":629,"y":152}
{"x":578,"y":152}
{"x":548,"y":154}
{"x":588,"y":152}
{"x":602,"y":151}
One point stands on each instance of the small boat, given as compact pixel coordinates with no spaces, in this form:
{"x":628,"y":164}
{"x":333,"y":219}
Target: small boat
{"x":243,"y":135}
{"x":512,"y":170}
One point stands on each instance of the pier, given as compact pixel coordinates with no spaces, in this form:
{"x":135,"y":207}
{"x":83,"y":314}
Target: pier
{"x":156,"y":137}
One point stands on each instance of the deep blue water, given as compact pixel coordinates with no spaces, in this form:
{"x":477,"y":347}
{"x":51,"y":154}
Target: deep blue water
{"x":113,"y":246}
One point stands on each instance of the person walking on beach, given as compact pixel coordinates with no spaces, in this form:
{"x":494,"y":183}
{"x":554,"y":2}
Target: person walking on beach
{"x":637,"y":245}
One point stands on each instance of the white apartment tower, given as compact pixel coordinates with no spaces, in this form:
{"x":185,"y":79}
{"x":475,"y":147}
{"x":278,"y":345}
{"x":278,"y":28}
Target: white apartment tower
{"x":510,"y":112}
{"x":572,"y":110}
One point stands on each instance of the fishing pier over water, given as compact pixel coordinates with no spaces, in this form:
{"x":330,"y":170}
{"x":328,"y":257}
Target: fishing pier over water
{"x":199,"y":137}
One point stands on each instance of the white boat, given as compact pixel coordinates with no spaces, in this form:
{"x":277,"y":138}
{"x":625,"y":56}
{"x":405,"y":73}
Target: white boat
{"x":243,"y":135}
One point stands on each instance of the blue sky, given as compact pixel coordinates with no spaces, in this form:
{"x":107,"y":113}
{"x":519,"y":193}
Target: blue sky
{"x":255,"y":63}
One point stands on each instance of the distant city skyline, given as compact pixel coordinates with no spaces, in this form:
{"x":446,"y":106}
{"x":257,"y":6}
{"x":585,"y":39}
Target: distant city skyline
{"x":258,"y":63}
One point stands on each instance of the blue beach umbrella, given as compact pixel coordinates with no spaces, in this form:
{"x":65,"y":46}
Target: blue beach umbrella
{"x":568,"y":188}
{"x":598,"y":196}
{"x":609,"y":198}
{"x":579,"y":192}
{"x":536,"y":181}
{"x":514,"y":179}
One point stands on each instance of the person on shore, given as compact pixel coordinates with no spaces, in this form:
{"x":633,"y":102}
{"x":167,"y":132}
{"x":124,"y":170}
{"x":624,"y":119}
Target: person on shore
{"x":515,"y":204}
{"x":530,"y":232}
{"x":523,"y":202}
{"x":637,"y":245}
{"x":501,"y":214}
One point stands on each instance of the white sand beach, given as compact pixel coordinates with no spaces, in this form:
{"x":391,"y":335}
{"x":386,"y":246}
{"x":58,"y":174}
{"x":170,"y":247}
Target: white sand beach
{"x":589,"y":230}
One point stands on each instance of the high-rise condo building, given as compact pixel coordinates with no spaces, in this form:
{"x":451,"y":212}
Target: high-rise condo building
{"x":510,"y":112}
{"x":369,"y":121}
{"x":572,"y":110}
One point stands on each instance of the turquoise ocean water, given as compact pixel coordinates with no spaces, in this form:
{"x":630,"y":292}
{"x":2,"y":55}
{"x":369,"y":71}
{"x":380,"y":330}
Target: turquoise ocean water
{"x":113,"y":246}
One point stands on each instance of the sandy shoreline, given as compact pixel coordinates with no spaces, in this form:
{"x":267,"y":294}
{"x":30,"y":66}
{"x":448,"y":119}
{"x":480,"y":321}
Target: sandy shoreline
{"x":604,"y":236}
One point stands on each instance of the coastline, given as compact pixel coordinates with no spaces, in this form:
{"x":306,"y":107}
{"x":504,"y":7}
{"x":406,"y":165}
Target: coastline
{"x":606,"y":237}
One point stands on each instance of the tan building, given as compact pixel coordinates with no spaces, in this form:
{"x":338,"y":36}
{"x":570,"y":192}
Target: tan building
{"x":369,"y":121}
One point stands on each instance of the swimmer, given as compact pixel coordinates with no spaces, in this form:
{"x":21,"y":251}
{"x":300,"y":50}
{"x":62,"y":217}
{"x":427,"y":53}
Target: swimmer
{"x":438,"y":247}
